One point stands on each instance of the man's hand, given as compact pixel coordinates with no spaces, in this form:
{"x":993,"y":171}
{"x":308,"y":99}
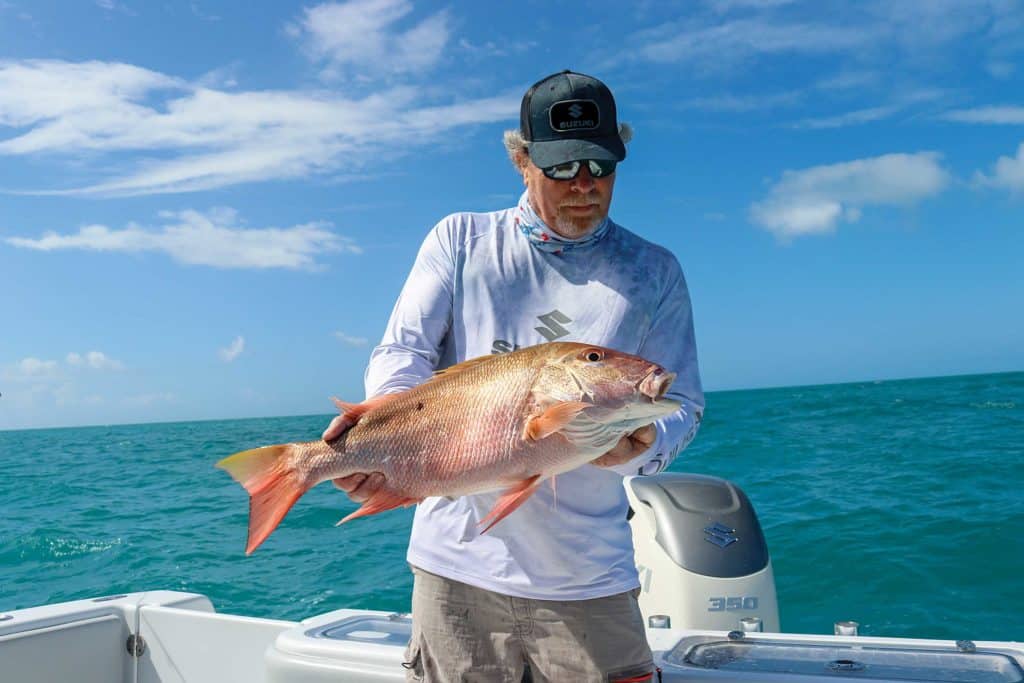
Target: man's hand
{"x":338,"y":425}
{"x":359,"y":486}
{"x":628,"y":447}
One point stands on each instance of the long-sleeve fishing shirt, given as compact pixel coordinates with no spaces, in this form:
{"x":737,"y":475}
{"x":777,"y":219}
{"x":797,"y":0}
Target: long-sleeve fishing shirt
{"x":479,"y":286}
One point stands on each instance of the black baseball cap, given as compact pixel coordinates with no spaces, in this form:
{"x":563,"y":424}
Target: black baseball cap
{"x":569,"y":116}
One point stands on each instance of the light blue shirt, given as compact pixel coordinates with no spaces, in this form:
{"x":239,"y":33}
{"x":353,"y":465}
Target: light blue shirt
{"x":478,"y":287}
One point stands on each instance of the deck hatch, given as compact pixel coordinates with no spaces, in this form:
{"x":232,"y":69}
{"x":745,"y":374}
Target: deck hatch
{"x":394,"y":630}
{"x":863,"y":662}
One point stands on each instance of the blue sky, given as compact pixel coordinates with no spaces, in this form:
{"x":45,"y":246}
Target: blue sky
{"x":207,"y":209}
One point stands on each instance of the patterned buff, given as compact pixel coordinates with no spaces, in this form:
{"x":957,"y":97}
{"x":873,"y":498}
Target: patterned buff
{"x":546,"y":239}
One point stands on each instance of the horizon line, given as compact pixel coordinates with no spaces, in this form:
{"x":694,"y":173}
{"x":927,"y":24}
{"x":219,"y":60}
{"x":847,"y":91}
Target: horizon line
{"x":706,"y":393}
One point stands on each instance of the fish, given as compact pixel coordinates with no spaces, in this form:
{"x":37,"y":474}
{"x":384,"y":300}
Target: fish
{"x":504,"y":422}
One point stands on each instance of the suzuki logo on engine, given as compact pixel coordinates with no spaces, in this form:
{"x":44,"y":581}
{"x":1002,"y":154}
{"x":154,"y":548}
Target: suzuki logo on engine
{"x":720,"y":535}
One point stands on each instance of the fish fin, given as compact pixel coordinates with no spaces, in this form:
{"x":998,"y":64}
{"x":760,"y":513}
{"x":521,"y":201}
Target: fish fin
{"x":510,"y":500}
{"x":273,"y":486}
{"x":379,"y":502}
{"x":554,"y":491}
{"x":553,"y":419}
{"x":357,"y":410}
{"x":461,"y":367}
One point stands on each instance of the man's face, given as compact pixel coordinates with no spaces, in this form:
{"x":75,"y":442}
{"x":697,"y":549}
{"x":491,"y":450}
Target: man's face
{"x":572,"y":208}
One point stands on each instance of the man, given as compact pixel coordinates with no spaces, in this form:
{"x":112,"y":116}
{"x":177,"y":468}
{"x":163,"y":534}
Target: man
{"x":554,"y":584}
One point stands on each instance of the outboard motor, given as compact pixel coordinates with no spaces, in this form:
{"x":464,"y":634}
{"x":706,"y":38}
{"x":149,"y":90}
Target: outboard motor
{"x":702,"y":557}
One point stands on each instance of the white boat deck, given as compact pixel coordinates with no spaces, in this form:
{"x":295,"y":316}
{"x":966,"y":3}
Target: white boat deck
{"x":171,"y":637}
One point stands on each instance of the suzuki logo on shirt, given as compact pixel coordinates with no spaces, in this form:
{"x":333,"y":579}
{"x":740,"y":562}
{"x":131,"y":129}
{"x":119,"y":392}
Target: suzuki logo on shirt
{"x":551,"y":330}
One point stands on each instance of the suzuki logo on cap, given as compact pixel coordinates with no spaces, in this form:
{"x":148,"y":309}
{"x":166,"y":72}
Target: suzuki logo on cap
{"x":572,"y":115}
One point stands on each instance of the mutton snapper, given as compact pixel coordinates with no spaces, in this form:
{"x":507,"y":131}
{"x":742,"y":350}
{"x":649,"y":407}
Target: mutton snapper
{"x":501,"y":422}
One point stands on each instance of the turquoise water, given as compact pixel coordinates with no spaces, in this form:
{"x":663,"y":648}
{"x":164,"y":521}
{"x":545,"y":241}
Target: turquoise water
{"x":896,"y":504}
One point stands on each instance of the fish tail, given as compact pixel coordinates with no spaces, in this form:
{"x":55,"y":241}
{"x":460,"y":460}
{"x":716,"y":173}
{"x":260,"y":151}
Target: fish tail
{"x":273,"y":485}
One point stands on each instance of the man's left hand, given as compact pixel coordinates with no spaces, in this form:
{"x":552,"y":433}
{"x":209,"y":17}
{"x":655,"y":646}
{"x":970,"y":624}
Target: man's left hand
{"x":628,"y":447}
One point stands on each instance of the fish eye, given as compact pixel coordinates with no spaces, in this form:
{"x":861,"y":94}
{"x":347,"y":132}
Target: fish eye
{"x":593,"y":355}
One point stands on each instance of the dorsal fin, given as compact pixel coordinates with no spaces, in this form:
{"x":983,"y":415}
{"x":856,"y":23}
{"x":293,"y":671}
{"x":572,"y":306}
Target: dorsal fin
{"x":457,"y":369}
{"x":354,"y":411}
{"x":464,"y":366}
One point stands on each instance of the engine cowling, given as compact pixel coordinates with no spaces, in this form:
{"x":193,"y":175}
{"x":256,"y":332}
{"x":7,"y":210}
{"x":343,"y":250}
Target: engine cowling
{"x":701,"y":554}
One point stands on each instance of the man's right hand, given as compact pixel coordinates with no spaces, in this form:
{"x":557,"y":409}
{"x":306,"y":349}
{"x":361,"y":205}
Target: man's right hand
{"x":338,"y":425}
{"x":361,"y":486}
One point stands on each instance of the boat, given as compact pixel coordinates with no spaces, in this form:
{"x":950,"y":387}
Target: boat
{"x":707,"y":595}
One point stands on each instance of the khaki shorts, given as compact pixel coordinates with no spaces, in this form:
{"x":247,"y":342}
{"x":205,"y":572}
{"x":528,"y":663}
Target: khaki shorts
{"x":468,"y":634}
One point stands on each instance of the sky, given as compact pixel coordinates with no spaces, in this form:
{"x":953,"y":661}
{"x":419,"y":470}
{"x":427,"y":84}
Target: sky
{"x":208,"y":208}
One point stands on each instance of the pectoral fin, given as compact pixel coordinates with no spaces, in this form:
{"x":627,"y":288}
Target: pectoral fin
{"x":553,"y":419}
{"x":510,"y":500}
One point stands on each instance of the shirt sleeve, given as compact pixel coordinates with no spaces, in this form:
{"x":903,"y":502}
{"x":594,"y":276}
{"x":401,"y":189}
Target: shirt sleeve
{"x":671,"y":343}
{"x":411,"y":346}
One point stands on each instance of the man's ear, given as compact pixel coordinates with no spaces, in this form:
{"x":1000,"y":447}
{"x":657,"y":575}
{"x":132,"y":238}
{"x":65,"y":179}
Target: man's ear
{"x":522,"y":163}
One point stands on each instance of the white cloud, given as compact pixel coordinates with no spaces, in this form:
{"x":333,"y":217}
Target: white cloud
{"x":111,"y":5}
{"x":77,"y":100}
{"x":815,"y":200}
{"x":361,"y":37}
{"x":491,"y":48}
{"x":96,"y":360}
{"x":729,"y":5}
{"x":198,"y":12}
{"x":743,"y":103}
{"x":850,"y":118}
{"x":350,"y":340}
{"x":32,"y":369}
{"x":720,"y":45}
{"x":900,"y":102}
{"x":1001,"y":70}
{"x":191,"y":138}
{"x":1007,"y":174}
{"x":849,"y":80}
{"x":729,"y":34}
{"x":233,"y":351}
{"x":214,"y":238}
{"x":1004,"y":115}
{"x":222,"y":77}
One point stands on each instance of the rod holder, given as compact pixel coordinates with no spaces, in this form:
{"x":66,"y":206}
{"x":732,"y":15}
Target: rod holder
{"x":751,"y":625}
{"x":659,"y":621}
{"x":846,"y":628}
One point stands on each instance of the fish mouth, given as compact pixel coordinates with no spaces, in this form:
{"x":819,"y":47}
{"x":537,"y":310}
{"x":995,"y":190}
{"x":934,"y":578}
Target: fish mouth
{"x":656,"y":383}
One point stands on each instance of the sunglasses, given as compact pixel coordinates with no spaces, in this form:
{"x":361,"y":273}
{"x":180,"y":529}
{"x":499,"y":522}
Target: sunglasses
{"x":571,"y":169}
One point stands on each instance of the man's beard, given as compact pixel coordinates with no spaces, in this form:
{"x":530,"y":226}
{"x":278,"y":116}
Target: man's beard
{"x":575,"y":227}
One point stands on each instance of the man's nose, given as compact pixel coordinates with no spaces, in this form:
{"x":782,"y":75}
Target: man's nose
{"x":583,"y":182}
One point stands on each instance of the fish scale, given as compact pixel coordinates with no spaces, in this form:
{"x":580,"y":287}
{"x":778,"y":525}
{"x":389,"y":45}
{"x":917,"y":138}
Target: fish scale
{"x":501,"y":422}
{"x":443,"y":436}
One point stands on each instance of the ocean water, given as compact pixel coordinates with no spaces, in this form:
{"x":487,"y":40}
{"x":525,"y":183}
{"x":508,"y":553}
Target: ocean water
{"x":898,"y":504}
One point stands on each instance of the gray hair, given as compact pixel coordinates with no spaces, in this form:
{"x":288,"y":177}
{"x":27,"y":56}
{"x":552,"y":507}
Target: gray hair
{"x":516,"y":144}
